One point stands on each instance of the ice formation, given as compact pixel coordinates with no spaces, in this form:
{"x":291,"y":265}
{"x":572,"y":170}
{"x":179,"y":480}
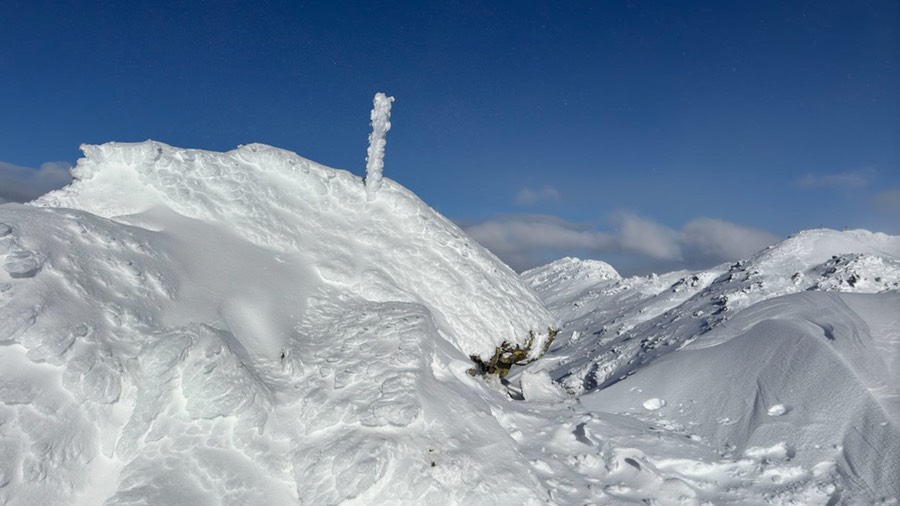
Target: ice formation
{"x":187,"y":327}
{"x":381,"y":123}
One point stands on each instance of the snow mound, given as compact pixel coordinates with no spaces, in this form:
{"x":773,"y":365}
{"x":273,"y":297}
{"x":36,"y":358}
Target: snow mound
{"x":392,"y":249}
{"x":187,"y":327}
{"x":568,"y":275}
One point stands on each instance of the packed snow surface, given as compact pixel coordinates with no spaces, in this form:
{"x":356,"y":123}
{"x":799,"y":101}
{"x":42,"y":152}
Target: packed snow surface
{"x":187,"y":327}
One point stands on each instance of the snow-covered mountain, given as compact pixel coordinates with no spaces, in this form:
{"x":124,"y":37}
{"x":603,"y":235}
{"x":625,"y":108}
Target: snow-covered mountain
{"x":188,"y":327}
{"x":750,"y":355}
{"x":616,"y":326}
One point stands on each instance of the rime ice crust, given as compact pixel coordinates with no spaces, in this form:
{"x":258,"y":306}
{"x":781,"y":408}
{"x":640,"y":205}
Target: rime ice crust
{"x":381,"y":123}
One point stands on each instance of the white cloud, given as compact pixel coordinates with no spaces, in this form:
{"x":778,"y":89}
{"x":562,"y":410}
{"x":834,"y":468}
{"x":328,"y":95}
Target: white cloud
{"x":647,"y":237}
{"x":844,"y":180}
{"x":522,"y":241}
{"x":525,"y":241}
{"x":21,"y":184}
{"x":715,"y":241}
{"x":888,"y":200}
{"x":529,"y":197}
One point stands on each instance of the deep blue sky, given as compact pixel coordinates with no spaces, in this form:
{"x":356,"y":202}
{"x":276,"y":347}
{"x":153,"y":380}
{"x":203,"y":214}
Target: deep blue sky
{"x":599,"y":116}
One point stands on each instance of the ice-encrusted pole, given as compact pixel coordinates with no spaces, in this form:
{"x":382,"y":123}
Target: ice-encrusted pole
{"x":381,"y":123}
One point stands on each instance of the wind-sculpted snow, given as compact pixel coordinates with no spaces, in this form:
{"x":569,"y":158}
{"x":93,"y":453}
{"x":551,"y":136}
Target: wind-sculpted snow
{"x":185,"y":327}
{"x":395,"y":248}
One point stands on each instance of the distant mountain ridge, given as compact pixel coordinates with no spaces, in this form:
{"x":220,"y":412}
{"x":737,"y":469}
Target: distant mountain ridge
{"x":748,"y":355}
{"x":618,"y":310}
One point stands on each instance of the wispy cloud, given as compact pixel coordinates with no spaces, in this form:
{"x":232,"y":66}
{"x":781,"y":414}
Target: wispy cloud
{"x":525,"y":241}
{"x":21,"y":184}
{"x":888,"y":200}
{"x":843,"y":180}
{"x":530,"y":197}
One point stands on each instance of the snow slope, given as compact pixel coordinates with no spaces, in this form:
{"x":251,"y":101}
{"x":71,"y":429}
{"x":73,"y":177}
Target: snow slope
{"x":809,"y":375}
{"x":187,"y":327}
{"x":756,"y":359}
{"x":395,"y":249}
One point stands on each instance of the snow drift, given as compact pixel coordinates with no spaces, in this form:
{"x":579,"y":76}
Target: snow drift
{"x":188,"y":327}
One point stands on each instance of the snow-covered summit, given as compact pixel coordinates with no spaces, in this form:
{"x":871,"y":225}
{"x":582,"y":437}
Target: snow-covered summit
{"x":810,"y":247}
{"x":187,"y":327}
{"x":567,"y":276}
{"x":393,"y":249}
{"x":568,"y":270}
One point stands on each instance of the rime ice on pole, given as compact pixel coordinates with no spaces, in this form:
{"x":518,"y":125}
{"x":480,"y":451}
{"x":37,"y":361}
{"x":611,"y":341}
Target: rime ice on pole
{"x":381,"y":123}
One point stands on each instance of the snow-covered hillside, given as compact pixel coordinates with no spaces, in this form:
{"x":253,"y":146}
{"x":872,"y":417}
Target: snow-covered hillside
{"x":752,"y":358}
{"x":188,"y":327}
{"x":181,"y":326}
{"x":615,"y":326}
{"x":802,"y":375}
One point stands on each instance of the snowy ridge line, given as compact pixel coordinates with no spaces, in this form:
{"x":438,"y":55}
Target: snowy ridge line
{"x":619,"y":325}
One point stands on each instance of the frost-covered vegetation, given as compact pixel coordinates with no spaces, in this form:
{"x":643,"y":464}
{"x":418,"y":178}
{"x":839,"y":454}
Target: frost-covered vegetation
{"x":508,"y":355}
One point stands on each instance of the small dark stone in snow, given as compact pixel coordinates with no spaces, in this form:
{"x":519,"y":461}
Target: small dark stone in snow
{"x":631,"y":462}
